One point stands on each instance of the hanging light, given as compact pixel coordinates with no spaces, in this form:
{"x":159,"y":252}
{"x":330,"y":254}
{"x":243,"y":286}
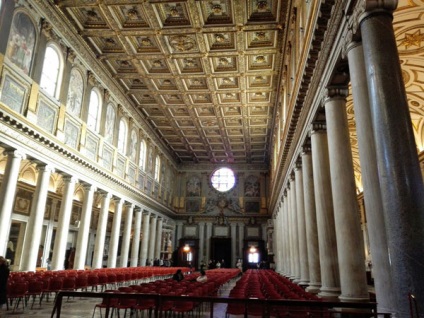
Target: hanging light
{"x":186,"y":248}
{"x":252,"y":249}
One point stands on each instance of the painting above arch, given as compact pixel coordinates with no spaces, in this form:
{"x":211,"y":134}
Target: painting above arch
{"x":20,"y":47}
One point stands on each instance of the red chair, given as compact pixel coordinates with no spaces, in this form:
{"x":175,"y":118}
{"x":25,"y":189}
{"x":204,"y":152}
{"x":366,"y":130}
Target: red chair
{"x":145,"y":304}
{"x":81,"y":282}
{"x":107,"y":303}
{"x":55,"y":286}
{"x":125,"y":303}
{"x":35,"y":288}
{"x":16,"y":291}
{"x":103,"y":280}
{"x":92,"y":281}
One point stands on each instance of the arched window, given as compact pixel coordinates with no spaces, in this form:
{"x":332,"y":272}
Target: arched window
{"x":75,"y":90}
{"x":122,"y":137}
{"x":52,"y":67}
{"x":142,"y":159}
{"x":110,"y":122}
{"x":94,"y":109}
{"x":157,"y":168}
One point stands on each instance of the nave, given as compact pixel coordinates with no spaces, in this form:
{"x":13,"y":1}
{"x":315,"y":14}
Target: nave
{"x":258,"y":287}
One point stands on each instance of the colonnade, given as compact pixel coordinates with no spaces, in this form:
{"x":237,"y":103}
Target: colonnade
{"x":318,"y":201}
{"x":151,"y":223}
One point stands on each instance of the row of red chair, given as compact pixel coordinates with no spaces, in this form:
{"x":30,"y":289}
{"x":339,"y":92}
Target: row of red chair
{"x":187,"y":287}
{"x":24,"y":285}
{"x":267,"y":284}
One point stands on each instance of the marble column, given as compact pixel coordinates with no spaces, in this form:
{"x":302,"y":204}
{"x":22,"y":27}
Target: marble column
{"x":114,"y":235}
{"x":35,"y":223}
{"x":126,"y":237}
{"x":84,"y":228}
{"x":159,"y":238}
{"x":327,"y":242}
{"x":145,"y":240}
{"x":294,"y":244}
{"x":286,"y":235}
{"x":208,"y":240}
{"x":59,"y":248}
{"x":399,"y":172}
{"x":202,"y":243}
{"x":179,"y":233}
{"x":49,"y":235}
{"x":99,"y":244}
{"x":233,"y":244}
{"x":152,"y":238}
{"x":301,"y":228}
{"x":136,"y":238}
{"x":277,"y":239}
{"x":346,"y":215}
{"x":369,"y":171}
{"x":7,"y":193}
{"x":311,"y":222}
{"x":241,"y":239}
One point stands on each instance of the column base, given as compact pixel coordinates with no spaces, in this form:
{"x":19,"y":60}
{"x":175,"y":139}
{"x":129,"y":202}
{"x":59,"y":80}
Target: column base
{"x":330,"y":293}
{"x":304,"y":283}
{"x":313,"y":288}
{"x":353,"y":299}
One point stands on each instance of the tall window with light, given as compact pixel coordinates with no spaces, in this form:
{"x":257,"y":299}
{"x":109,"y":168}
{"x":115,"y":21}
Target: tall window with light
{"x":157,"y":168}
{"x":122,"y":136}
{"x":94,"y":109}
{"x":50,"y":75}
{"x":142,"y":159}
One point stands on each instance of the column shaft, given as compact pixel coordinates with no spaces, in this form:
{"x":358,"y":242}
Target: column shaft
{"x":59,"y":249}
{"x":301,"y":229}
{"x":202,"y":242}
{"x":136,"y":238}
{"x":346,"y":215}
{"x":114,"y":235}
{"x":152,"y":239}
{"x":35,"y":223}
{"x":7,"y":193}
{"x":286,"y":235}
{"x":84,"y":228}
{"x":233,"y":245}
{"x":330,"y":278}
{"x":311,"y":223}
{"x":126,"y":238}
{"x":369,"y":172}
{"x":99,"y":244}
{"x":159,"y":238}
{"x":145,"y":240}
{"x":399,"y":173}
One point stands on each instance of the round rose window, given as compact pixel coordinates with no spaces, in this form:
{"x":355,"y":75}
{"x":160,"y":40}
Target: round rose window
{"x":223,"y":179}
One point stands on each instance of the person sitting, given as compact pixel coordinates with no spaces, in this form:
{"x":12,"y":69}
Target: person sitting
{"x":178,"y":276}
{"x":202,"y":278}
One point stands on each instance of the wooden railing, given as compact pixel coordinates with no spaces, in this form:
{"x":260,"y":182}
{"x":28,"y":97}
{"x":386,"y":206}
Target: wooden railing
{"x":326,"y":308}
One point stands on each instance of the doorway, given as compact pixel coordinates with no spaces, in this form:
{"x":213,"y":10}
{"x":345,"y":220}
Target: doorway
{"x":221,"y":250}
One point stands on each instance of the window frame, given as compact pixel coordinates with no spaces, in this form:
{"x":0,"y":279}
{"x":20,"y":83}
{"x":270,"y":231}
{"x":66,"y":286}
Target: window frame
{"x":142,"y":155}
{"x":157,"y":168}
{"x":59,"y":76}
{"x":122,"y":142}
{"x":96,"y":127}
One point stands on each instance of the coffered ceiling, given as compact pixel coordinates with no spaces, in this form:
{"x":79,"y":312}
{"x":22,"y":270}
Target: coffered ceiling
{"x":204,"y":74}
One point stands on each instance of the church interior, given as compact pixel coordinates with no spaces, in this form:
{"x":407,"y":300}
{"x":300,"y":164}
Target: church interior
{"x":254,"y":134}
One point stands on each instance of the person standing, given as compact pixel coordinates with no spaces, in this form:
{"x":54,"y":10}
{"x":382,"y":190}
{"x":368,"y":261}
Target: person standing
{"x":4,"y":276}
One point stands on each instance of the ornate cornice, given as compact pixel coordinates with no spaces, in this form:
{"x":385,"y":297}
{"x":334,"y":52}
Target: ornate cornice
{"x":42,"y":147}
